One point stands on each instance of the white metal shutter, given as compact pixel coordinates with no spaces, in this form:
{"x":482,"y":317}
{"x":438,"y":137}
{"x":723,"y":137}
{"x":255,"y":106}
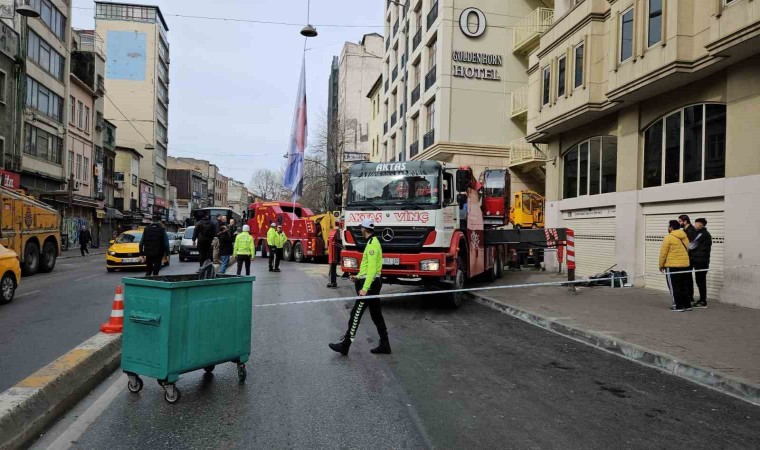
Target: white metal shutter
{"x":594,"y":244}
{"x":657,"y":227}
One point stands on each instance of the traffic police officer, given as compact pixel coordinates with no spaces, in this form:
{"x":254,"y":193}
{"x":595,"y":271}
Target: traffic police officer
{"x":367,"y":283}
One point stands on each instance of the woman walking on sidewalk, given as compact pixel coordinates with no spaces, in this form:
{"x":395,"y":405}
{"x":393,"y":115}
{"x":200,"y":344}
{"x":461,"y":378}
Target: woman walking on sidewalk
{"x":244,"y":250}
{"x":674,"y":262}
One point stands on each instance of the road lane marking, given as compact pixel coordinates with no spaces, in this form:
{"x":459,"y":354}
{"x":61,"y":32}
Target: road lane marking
{"x":87,"y":278}
{"x":26,"y":293}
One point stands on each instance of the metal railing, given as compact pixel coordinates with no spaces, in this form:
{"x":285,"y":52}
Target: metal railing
{"x":535,"y":24}
{"x":430,"y":78}
{"x":394,"y":74}
{"x":519,"y":101}
{"x":522,"y":151}
{"x":100,"y":87}
{"x":415,"y":94}
{"x":414,"y":149}
{"x":417,"y":39}
{"x":432,"y":15}
{"x":428,"y":139}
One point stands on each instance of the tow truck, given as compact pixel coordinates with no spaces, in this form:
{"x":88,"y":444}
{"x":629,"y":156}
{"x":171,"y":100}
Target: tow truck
{"x":438,"y":224}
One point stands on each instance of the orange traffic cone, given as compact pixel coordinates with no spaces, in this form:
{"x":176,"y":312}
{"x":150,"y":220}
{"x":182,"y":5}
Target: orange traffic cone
{"x":115,"y":323}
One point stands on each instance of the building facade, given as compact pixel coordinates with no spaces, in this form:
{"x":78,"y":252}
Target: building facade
{"x":358,"y":68}
{"x":450,"y":70}
{"x":333,"y":163}
{"x":192,"y":192}
{"x":237,"y":196}
{"x":646,"y":109}
{"x":137,"y":81}
{"x":375,"y":129}
{"x":10,"y":112}
{"x":220,"y":192}
{"x":127,"y":185}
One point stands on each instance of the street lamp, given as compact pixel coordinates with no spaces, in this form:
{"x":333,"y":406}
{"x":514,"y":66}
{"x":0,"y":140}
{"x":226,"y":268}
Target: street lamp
{"x":26,"y":10}
{"x":309,"y":31}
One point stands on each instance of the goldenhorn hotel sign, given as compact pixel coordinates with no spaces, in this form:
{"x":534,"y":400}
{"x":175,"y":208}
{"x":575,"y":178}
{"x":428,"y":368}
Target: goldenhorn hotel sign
{"x":475,"y":61}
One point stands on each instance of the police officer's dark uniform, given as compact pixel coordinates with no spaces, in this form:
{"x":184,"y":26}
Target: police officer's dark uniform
{"x":367,"y":282}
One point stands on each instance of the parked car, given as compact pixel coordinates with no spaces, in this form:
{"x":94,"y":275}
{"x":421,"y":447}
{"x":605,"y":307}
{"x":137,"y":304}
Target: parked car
{"x":175,"y":240}
{"x":188,"y":251}
{"x":124,"y":252}
{"x":11,"y":274}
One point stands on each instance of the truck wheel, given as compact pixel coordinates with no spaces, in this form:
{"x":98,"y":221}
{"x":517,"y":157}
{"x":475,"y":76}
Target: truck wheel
{"x":7,"y":288}
{"x":298,"y":253}
{"x":499,"y":266}
{"x":31,"y":259}
{"x":287,"y":252}
{"x":455,"y":298}
{"x":49,"y":255}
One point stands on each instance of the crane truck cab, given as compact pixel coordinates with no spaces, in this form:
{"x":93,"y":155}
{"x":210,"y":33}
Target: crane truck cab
{"x":429,"y":220}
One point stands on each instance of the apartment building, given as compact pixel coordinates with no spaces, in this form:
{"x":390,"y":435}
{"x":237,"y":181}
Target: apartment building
{"x":127,"y":189}
{"x":137,"y":81}
{"x":646,"y":109}
{"x":237,"y":196}
{"x":45,"y":87}
{"x":192,"y":191}
{"x":449,"y":72}
{"x":9,"y":109}
{"x":220,"y":191}
{"x":375,"y":128}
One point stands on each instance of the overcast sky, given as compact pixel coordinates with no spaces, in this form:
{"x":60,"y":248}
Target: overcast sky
{"x":233,"y":85}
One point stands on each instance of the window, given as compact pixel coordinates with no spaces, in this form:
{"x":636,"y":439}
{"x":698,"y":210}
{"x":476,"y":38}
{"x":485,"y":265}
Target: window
{"x":546,"y":84}
{"x":685,"y":146}
{"x":73,"y":114}
{"x":590,"y":167}
{"x":43,"y":54}
{"x":80,"y":116}
{"x":43,"y":100}
{"x":87,"y":119}
{"x":3,"y":87}
{"x":430,"y":124}
{"x":655,"y":22}
{"x":561,"y":63}
{"x":41,"y":144}
{"x":416,"y":74}
{"x":626,"y":35}
{"x":86,"y":169}
{"x":415,"y":129}
{"x":578,"y":78}
{"x":432,"y":50}
{"x":50,"y":16}
{"x":71,"y":163}
{"x":418,"y":19}
{"x":79,"y":167}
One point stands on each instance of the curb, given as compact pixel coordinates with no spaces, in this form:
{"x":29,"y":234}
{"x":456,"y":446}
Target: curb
{"x":79,"y":256}
{"x":732,"y":386}
{"x":35,"y":402}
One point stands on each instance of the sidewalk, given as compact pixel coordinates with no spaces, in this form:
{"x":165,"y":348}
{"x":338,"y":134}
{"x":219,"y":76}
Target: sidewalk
{"x":74,"y":252}
{"x":718,"y":347}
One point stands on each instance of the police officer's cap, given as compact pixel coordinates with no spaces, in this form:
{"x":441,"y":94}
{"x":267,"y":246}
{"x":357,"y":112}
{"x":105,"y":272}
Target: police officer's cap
{"x":368,"y":224}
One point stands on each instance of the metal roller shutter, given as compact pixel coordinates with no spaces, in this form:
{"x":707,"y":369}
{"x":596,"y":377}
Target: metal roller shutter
{"x":594,"y":244}
{"x":656,"y":228}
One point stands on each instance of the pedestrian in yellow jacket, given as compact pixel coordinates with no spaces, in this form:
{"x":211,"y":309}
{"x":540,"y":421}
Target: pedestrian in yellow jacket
{"x":244,"y":250}
{"x":278,"y":240}
{"x":272,"y":244}
{"x":674,"y":262}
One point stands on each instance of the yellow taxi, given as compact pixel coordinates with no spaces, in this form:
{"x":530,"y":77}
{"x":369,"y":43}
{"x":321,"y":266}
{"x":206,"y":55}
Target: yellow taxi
{"x":124,"y":252}
{"x":11,"y":271}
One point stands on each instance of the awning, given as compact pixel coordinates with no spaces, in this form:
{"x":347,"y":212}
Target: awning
{"x":113,"y":213}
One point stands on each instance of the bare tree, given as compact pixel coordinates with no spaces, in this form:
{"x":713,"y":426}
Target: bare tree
{"x":268,"y":184}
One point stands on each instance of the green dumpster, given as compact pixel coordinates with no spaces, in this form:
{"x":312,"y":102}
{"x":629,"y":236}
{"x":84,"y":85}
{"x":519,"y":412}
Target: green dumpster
{"x":179,"y":323}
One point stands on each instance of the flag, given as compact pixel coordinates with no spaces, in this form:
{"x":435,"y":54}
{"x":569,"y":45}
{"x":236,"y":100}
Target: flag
{"x":294,"y":171}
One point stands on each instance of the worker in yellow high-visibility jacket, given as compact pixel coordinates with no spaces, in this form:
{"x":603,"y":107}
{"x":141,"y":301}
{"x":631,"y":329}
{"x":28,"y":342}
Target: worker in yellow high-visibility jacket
{"x":279,"y":241}
{"x":271,"y":232}
{"x":367,"y":283}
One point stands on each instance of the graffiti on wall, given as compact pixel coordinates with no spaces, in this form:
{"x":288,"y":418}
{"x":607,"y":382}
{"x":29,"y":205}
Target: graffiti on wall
{"x":72,"y":226}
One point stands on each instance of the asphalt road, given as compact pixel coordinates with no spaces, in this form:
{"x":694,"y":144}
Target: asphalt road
{"x":54,"y":312}
{"x":466,"y":378}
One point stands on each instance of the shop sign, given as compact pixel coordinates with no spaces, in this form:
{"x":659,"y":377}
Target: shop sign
{"x":474,"y":29}
{"x":161,"y":202}
{"x":10,"y":180}
{"x":355,"y":157}
{"x":480,"y":24}
{"x":589,"y":213}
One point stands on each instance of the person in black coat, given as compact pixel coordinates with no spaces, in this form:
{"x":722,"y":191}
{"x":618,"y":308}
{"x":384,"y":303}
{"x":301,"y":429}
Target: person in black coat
{"x":691,"y":233}
{"x":85,"y":238}
{"x":225,"y":248}
{"x":699,"y":255}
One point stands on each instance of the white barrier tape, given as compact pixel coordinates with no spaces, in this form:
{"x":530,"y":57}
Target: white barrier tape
{"x":485,"y":288}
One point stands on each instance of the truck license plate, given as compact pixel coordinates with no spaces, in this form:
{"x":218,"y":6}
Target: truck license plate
{"x":130,"y":260}
{"x":193,"y":253}
{"x":391,"y":262}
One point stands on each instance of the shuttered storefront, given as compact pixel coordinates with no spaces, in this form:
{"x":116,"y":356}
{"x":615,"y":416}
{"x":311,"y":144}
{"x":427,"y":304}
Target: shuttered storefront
{"x":657,"y":227}
{"x":594,"y":244}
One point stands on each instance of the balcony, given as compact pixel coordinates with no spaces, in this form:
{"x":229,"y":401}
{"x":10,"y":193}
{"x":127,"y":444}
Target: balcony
{"x":430,"y":78}
{"x":432,"y":15}
{"x":100,"y":86}
{"x":526,"y":33}
{"x":414,"y":149}
{"x":519,"y":109}
{"x":393,"y":118}
{"x":415,"y":94}
{"x":395,"y":27}
{"x":394,"y":74}
{"x":100,"y":122}
{"x":417,"y":39}
{"x":385,"y":127}
{"x":428,"y":139}
{"x":526,"y":156}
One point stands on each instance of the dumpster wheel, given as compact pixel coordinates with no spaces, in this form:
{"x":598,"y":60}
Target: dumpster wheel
{"x":135,"y":384}
{"x":171,"y":393}
{"x":242,"y":374}
{"x":209,"y":369}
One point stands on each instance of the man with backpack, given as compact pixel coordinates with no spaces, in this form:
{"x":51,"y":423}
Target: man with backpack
{"x":154,"y":245}
{"x":203,"y":236}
